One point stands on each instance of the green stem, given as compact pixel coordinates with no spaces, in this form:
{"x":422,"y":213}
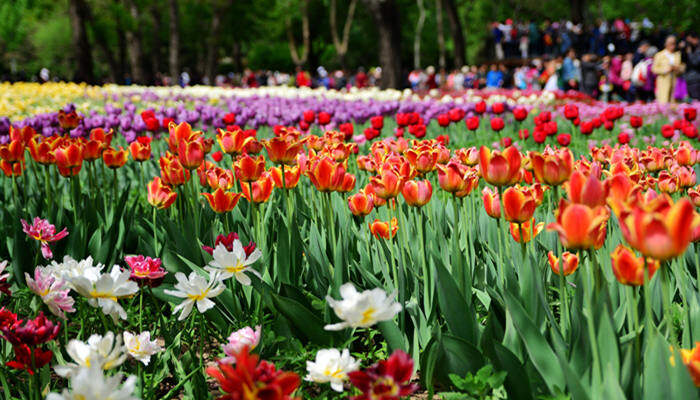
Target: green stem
{"x":588,"y":312}
{"x":155,"y":233}
{"x":666,"y":301}
{"x":563,"y":299}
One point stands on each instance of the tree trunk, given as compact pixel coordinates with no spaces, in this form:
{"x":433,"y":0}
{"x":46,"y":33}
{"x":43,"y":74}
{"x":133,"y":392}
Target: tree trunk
{"x":440,"y":34}
{"x":133,"y":39}
{"x":577,"y":10}
{"x":155,"y":52}
{"x":457,"y":33}
{"x":300,"y":60}
{"x":79,"y":14}
{"x":213,"y":45}
{"x":174,"y":59}
{"x":341,"y":44}
{"x":386,"y":17}
{"x":418,"y":33}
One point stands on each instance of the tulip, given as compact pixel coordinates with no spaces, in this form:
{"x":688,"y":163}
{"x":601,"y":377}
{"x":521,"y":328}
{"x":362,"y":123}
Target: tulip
{"x":13,"y":151}
{"x":497,"y":124}
{"x":629,"y":269}
{"x":12,"y":169}
{"x":69,"y":159}
{"x":469,"y":156}
{"x":249,"y":169}
{"x":381,"y":229}
{"x":326,"y":175}
{"x":216,"y":178}
{"x":636,"y":122}
{"x":361,"y":204}
{"x":498,"y":108}
{"x":141,"y":148}
{"x":222,"y":201}
{"x":691,"y":359}
{"x":492,"y":203}
{"x":480,"y":107}
{"x":694,"y":195}
{"x":417,"y":193}
{"x":388,"y":184}
{"x":172,"y":171}
{"x":41,"y":150}
{"x":525,"y":231}
{"x":472,"y":123}
{"x":518,"y":204}
{"x":423,"y":158}
{"x":114,"y":158}
{"x":552,"y":167}
{"x":586,"y":190}
{"x":92,"y":150}
{"x":570,"y":112}
{"x":233,"y":142}
{"x":68,"y":120}
{"x":500,"y":168}
{"x":159,"y":195}
{"x":179,"y":133}
{"x":23,"y":135}
{"x":283,"y":150}
{"x":580,"y":226}
{"x":519,"y":113}
{"x":262,"y":189}
{"x":191,"y":153}
{"x":663,"y":234}
{"x":291,"y":176}
{"x":569,"y":263}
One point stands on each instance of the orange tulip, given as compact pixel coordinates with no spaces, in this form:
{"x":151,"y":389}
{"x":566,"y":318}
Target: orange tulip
{"x":684,"y":154}
{"x":660,"y":234}
{"x":580,"y":226}
{"x":686,"y":176}
{"x":569,"y":262}
{"x":114,"y":158}
{"x":11,"y":169}
{"x":233,"y":142}
{"x":654,"y":159}
{"x":366,"y":163}
{"x":348,"y":183}
{"x":417,"y":193}
{"x":141,"y":148}
{"x":552,"y":167}
{"x":628,"y":268}
{"x":24,"y":135}
{"x":216,"y":178}
{"x":518,"y":204}
{"x":422,"y":158}
{"x":469,"y":156}
{"x":172,"y":171}
{"x":68,"y":120}
{"x":283,"y":149}
{"x":99,"y":135}
{"x":361,"y":204}
{"x":528,"y":232}
{"x":326,"y":174}
{"x":41,"y":150}
{"x":691,"y":359}
{"x":492,"y":202}
{"x":586,"y":190}
{"x":249,"y":169}
{"x":621,"y":189}
{"x":180,"y":133}
{"x":537,"y":193}
{"x":388,"y":184}
{"x":291,"y":176}
{"x":160,"y":195}
{"x":369,"y":190}
{"x":191,"y":153}
{"x":68,"y":158}
{"x":694,"y":194}
{"x":222,"y":201}
{"x":452,"y":177}
{"x":338,"y":151}
{"x":381,"y":229}
{"x":668,"y":183}
{"x":93,"y":150}
{"x":262,"y":189}
{"x":500,"y":168}
{"x":13,"y":151}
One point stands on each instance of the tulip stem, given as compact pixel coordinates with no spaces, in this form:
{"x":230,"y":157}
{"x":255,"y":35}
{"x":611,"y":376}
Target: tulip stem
{"x":588,"y":312}
{"x":666,"y":302}
{"x":563,"y":299}
{"x":633,"y":319}
{"x":394,"y":271}
{"x":649,"y":316}
{"x":155,"y":234}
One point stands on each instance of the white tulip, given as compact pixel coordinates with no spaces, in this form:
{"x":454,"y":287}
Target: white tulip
{"x":196,"y":290}
{"x":331,"y":366}
{"x":362,"y":310}
{"x":91,"y":383}
{"x":234,"y":263}
{"x":140,"y":346}
{"x":103,"y":352}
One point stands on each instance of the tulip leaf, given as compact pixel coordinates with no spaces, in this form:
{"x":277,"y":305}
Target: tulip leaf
{"x":458,"y":311}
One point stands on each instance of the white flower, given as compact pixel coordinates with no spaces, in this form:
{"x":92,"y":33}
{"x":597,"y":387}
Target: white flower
{"x":3,"y":265}
{"x":331,"y":366}
{"x":91,"y":383}
{"x":234,"y":262}
{"x":362,"y":310}
{"x":106,"y":290}
{"x":195,"y":289}
{"x":70,"y":268}
{"x":103,"y":352}
{"x":52,"y":290}
{"x":140,"y":346}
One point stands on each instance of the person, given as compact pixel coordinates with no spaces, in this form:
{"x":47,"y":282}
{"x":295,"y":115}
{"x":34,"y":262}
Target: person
{"x":494,"y":78}
{"x":497,"y":40}
{"x":432,"y":79}
{"x":640,"y":54}
{"x":642,"y":76}
{"x":569,"y":71}
{"x":589,"y":75}
{"x":361,"y":78}
{"x":692,"y":71}
{"x":667,"y":67}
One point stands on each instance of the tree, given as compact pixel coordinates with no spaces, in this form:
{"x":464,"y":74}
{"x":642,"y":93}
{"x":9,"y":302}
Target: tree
{"x":299,"y":60}
{"x":218,"y":9}
{"x":440,"y":35}
{"x":417,"y":34}
{"x":341,"y":44}
{"x":174,"y":59}
{"x":458,"y":42}
{"x":79,"y":14}
{"x":134,"y":45}
{"x":386,"y":18}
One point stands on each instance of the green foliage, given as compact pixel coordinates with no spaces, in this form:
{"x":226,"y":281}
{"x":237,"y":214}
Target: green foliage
{"x":486,"y":384}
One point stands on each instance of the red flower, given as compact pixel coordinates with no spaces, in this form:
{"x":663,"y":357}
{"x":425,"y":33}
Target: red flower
{"x":635,"y":122}
{"x":377,"y":122}
{"x":497,"y":124}
{"x":571,"y":112}
{"x":623,"y":138}
{"x":587,"y":127}
{"x":250,"y":379}
{"x":456,"y":114}
{"x":480,"y":107}
{"x":229,"y":119}
{"x":347,"y":129}
{"x":417,"y":130}
{"x":443,"y":120}
{"x":564,"y":139}
{"x":498,"y":108}
{"x":217,"y":156}
{"x":523,"y":134}
{"x":23,"y":358}
{"x":324,"y":118}
{"x":519,"y":113}
{"x":472,"y":123}
{"x":309,"y":116}
{"x":371,"y":133}
{"x":667,"y":131}
{"x":690,"y":114}
{"x":228,"y":242}
{"x":386,"y":380}
{"x":539,"y":136}
{"x":609,"y":125}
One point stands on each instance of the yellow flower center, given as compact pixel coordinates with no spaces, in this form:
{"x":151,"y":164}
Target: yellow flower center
{"x":197,"y":297}
{"x":102,"y":295}
{"x":338,"y":373}
{"x":235,"y":268}
{"x":368,"y":315}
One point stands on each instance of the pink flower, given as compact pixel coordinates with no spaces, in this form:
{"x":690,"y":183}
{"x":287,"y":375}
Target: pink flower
{"x":145,"y":270}
{"x":53,"y":291}
{"x":45,"y":233}
{"x":227,"y":241}
{"x":239,"y":340}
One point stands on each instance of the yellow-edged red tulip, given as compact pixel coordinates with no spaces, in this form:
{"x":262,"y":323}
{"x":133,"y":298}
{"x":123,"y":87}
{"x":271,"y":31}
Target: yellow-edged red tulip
{"x":191,"y":153}
{"x":452,"y":177}
{"x":338,"y":151}
{"x":348,"y":183}
{"x":326,"y":174}
{"x":586,"y":190}
{"x":628,"y":268}
{"x":41,"y":149}
{"x":361,"y":204}
{"x":171,"y":170}
{"x":468,"y":156}
{"x":684,"y":154}
{"x":159,"y":195}
{"x":417,"y":193}
{"x":262,"y":189}
{"x":580,"y":226}
{"x":222,"y":201}
{"x":22,"y":134}
{"x":283,"y":149}
{"x":13,"y":151}
{"x":68,"y":158}
{"x":366,"y":163}
{"x":179,"y":133}
{"x":384,"y":230}
{"x":99,"y":135}
{"x":291,"y":176}
{"x":568,"y":262}
{"x":518,"y":204}
{"x":686,"y":176}
{"x":423,"y":158}
{"x":216,"y":178}
{"x":500,"y":168}
{"x":388,"y":183}
{"x":92,"y":150}
{"x":691,"y":359}
{"x":369,"y":190}
{"x":114,"y":158}
{"x":552,"y":167}
{"x":68,"y":120}
{"x":694,"y":195}
{"x":141,"y":148}
{"x":249,"y":169}
{"x":668,"y":183}
{"x":233,"y":142}
{"x":525,"y":232}
{"x":492,"y":202}
{"x":661,"y":235}
{"x":11,"y":169}
{"x":620,"y":190}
